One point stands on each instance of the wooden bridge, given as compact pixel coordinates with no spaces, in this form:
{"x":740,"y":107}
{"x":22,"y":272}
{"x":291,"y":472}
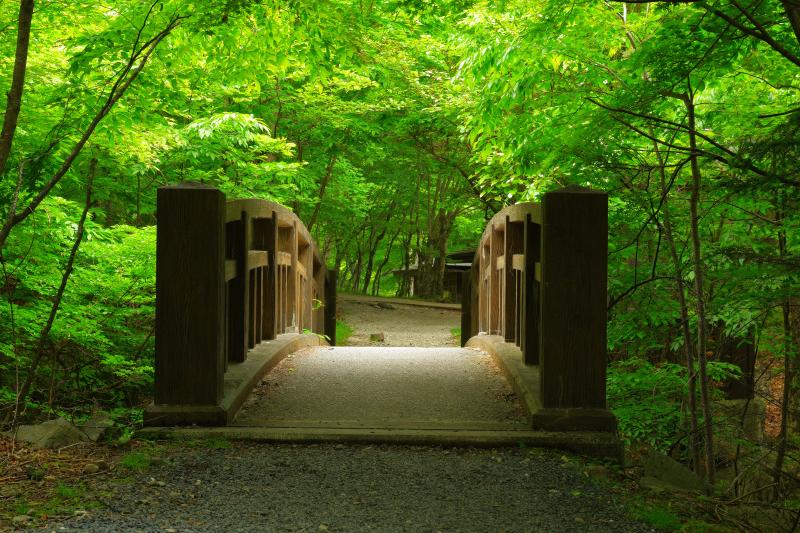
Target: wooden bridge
{"x":241,"y":284}
{"x":235,"y":282}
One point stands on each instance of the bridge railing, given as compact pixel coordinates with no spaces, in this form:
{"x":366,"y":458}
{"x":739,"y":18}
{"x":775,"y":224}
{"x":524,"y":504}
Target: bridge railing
{"x":229,"y":275}
{"x":539,"y":281}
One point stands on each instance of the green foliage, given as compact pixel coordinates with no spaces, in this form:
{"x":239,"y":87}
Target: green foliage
{"x":102,"y":338}
{"x":343,"y":332}
{"x":456,"y":334}
{"x":648,"y":399}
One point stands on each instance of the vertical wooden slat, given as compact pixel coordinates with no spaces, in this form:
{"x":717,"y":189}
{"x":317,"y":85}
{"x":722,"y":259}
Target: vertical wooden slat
{"x":190,"y":295}
{"x":239,"y":288}
{"x":509,"y":285}
{"x":270,"y":313}
{"x":293,"y":290}
{"x":530,"y":319}
{"x":251,"y":307}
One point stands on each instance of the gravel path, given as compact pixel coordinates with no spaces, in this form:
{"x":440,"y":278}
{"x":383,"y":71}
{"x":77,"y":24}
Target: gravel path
{"x":401,"y":325}
{"x":313,"y":488}
{"x":385,"y":387}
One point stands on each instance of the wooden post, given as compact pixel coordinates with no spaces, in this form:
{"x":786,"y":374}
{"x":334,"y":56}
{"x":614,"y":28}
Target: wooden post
{"x":190,"y":295}
{"x":573,"y":298}
{"x":466,"y":306}
{"x":530,"y":320}
{"x":330,"y":306}
{"x":239,"y":290}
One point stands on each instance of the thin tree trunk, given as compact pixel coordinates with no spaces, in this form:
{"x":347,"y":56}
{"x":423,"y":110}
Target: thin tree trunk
{"x":684,"y":310}
{"x":700,"y":306}
{"x":376,"y":286}
{"x":792,"y":8}
{"x":788,"y":375}
{"x":322,"y":186}
{"x":26,"y":385}
{"x":14,"y":97}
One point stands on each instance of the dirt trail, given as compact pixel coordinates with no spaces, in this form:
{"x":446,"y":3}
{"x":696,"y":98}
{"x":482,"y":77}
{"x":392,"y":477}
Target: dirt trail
{"x":401,"y":325}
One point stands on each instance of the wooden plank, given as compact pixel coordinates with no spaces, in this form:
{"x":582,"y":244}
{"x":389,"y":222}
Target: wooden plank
{"x":230,"y":269}
{"x":269,"y":316}
{"x":500,"y":264}
{"x":294,"y":283}
{"x":252,"y":307}
{"x":257,"y":259}
{"x":190,"y":295}
{"x":238,"y":241}
{"x":573,"y":298}
{"x":530,"y":316}
{"x":510,"y":245}
{"x":284,"y":259}
{"x":518,"y":262}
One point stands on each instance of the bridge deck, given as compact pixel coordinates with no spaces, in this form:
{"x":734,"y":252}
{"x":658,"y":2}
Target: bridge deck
{"x":385,"y":387}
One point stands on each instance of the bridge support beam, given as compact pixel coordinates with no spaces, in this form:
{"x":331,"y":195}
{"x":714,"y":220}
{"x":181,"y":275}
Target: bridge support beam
{"x":190,"y":295}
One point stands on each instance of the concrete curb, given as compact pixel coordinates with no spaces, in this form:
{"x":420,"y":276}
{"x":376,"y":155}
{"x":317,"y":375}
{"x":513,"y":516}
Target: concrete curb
{"x":593,"y":444}
{"x":240,"y":378}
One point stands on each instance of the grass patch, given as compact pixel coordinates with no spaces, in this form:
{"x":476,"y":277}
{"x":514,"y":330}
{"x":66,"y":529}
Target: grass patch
{"x":136,"y":461}
{"x":67,"y":492}
{"x":213,"y":443}
{"x":343,"y":332}
{"x":660,"y":518}
{"x":456,"y":334}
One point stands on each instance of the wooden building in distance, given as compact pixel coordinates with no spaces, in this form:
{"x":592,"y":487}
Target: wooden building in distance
{"x":457,"y":263}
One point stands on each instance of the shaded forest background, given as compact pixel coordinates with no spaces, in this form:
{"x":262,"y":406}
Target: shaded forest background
{"x":395,"y":129}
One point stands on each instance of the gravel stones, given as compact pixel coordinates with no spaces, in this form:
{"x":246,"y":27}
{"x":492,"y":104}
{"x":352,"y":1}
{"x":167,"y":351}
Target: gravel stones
{"x":262,"y":487}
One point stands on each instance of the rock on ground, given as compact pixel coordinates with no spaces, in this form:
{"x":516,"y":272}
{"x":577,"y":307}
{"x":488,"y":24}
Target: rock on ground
{"x":51,"y":434}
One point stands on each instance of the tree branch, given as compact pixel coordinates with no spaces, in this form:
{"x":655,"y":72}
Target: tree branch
{"x":14,"y":98}
{"x":121,"y":85}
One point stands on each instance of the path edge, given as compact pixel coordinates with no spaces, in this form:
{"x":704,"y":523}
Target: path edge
{"x":599,"y":445}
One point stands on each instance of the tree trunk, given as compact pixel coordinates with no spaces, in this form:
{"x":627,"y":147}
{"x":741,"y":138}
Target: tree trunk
{"x":14,"y":97}
{"x":322,"y":186}
{"x":26,"y":385}
{"x":700,"y":305}
{"x":694,"y":448}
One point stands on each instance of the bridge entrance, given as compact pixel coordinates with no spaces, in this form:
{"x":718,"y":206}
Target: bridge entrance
{"x":242,"y":291}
